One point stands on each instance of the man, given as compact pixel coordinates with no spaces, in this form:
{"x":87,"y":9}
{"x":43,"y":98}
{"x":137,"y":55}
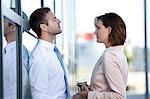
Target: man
{"x":48,"y":79}
{"x":10,"y":80}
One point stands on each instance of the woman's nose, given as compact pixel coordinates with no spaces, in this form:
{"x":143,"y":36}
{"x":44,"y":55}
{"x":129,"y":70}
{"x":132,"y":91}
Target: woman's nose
{"x":95,"y":32}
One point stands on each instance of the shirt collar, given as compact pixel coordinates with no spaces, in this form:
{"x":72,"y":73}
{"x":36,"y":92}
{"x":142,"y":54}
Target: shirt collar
{"x":46,"y":44}
{"x":118,"y":47}
{"x":11,"y":46}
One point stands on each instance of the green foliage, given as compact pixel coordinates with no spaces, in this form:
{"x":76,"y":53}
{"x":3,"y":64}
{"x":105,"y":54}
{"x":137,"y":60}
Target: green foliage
{"x":129,"y":54}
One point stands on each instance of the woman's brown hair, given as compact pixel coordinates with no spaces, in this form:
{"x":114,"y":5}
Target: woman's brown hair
{"x":118,"y":31}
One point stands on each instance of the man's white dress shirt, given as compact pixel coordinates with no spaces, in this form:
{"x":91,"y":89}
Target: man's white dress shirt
{"x":9,"y":71}
{"x":46,"y":74}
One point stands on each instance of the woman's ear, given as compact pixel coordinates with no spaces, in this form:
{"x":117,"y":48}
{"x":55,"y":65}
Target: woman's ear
{"x":109,"y":29}
{"x":43,"y":27}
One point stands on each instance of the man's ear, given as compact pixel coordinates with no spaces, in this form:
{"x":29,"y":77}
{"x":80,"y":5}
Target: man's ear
{"x":13,"y":28}
{"x":43,"y":27}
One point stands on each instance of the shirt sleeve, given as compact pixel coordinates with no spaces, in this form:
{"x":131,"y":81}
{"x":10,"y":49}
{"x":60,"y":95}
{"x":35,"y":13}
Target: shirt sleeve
{"x":38,"y":76}
{"x":114,"y":78}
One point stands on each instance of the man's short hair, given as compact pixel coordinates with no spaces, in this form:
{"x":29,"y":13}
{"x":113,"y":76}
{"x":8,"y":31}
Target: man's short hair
{"x":38,"y":17}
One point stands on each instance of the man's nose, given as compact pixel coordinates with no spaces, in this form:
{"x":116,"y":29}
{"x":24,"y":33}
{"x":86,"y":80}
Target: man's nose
{"x":59,"y":21}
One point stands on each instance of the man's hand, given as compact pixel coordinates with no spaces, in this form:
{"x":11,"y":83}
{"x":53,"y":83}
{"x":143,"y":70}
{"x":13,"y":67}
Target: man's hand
{"x":76,"y":96}
{"x":84,"y":93}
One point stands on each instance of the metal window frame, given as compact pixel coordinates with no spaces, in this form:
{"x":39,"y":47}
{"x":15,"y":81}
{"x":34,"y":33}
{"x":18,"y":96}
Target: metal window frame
{"x":1,"y":52}
{"x":146,"y":51}
{"x":42,"y":3}
{"x":19,"y":50}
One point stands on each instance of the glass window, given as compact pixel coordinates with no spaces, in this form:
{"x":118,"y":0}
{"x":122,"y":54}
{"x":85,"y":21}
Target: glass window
{"x":28,"y":40}
{"x":9,"y":3}
{"x":28,"y":6}
{"x":11,"y":57}
{"x":50,"y":4}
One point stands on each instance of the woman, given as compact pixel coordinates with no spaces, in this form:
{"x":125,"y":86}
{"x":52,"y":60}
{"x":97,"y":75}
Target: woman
{"x":109,"y":78}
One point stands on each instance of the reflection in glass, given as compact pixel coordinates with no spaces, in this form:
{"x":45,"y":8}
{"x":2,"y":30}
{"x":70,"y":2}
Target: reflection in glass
{"x":10,"y":60}
{"x":10,"y":80}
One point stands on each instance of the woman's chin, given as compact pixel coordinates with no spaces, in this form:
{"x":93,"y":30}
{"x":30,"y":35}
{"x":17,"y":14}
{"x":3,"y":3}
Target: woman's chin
{"x":98,"y":41}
